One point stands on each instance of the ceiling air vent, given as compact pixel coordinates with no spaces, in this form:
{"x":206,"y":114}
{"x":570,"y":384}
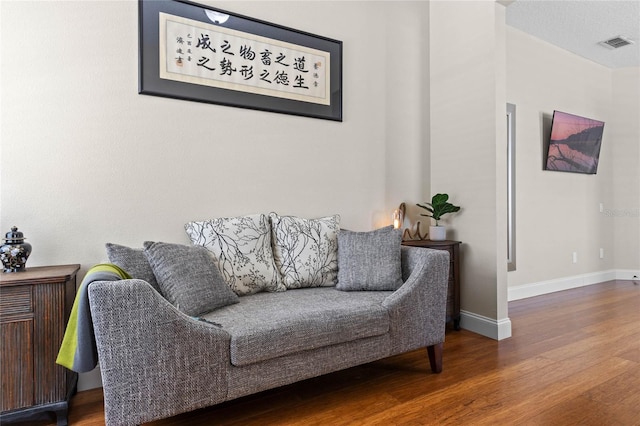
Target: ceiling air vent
{"x":616,"y":42}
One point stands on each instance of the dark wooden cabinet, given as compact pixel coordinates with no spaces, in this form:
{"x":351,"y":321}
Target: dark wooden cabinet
{"x":34,"y":309}
{"x":453,"y":294}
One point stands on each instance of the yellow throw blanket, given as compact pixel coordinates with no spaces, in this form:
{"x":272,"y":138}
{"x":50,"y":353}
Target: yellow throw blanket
{"x":78,"y":350}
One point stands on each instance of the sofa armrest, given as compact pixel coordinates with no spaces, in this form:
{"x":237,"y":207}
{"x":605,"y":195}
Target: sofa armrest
{"x":154,"y":360}
{"x":418,"y":309}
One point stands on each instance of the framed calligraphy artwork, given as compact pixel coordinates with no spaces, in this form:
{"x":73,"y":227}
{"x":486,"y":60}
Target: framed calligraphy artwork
{"x":193,"y":52}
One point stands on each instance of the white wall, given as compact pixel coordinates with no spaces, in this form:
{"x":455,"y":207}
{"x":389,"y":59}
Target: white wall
{"x":107,"y":164}
{"x":87,"y":160}
{"x":558,"y":213}
{"x":468,"y":149}
{"x":624,"y":212}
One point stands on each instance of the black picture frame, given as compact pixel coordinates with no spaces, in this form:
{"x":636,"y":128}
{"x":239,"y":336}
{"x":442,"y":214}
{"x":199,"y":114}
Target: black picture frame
{"x":150,"y":82}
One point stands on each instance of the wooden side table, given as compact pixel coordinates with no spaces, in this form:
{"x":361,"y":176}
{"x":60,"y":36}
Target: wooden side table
{"x":453,"y":293}
{"x":34,"y":310}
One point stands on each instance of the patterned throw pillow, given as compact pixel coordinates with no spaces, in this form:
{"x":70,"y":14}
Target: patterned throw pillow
{"x":369,"y":260}
{"x":188,"y":277}
{"x":306,"y":250}
{"x":241,"y":247}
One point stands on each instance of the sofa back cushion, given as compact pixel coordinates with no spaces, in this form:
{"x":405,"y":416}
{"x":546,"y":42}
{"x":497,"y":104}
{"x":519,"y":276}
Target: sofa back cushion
{"x":241,"y":247}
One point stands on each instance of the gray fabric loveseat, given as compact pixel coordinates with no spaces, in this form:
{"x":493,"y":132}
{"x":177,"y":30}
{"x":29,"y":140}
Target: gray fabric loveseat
{"x":157,"y":359}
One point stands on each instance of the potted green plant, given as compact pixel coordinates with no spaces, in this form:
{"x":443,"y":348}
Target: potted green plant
{"x":438,"y":207}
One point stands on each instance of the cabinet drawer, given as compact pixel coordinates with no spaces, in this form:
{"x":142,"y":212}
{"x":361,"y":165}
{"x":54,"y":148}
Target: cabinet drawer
{"x":16,"y":300}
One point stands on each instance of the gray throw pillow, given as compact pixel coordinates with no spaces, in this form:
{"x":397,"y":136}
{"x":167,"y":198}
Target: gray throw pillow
{"x":188,"y":277}
{"x":369,"y":260}
{"x":133,"y":261}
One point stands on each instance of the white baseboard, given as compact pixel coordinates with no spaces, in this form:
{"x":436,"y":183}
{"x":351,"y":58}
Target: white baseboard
{"x":495,"y":329}
{"x":544,"y":287}
{"x":627,"y":274}
{"x":501,"y":329}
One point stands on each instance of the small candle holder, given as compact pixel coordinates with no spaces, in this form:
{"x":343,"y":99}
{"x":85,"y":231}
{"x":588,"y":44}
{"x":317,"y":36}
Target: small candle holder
{"x":397,"y":219}
{"x":398,"y":216}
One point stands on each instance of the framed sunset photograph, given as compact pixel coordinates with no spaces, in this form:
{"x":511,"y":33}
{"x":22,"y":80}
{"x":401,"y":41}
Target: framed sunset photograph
{"x":574,"y":145}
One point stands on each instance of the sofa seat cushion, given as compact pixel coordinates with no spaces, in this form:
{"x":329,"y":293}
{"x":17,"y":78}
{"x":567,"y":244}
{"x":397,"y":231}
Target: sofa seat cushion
{"x":269,"y":325}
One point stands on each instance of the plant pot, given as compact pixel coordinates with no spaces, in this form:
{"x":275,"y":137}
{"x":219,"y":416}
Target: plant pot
{"x":437,"y":233}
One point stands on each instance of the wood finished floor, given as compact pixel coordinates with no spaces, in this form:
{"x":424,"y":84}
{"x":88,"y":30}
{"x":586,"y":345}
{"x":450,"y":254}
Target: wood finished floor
{"x":574,"y":360}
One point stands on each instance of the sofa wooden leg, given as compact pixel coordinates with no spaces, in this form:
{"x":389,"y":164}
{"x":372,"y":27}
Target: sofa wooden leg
{"x":435,"y":357}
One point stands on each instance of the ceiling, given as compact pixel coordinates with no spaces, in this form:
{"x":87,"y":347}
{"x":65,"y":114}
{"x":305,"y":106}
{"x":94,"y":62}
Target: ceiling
{"x":580,"y":25}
